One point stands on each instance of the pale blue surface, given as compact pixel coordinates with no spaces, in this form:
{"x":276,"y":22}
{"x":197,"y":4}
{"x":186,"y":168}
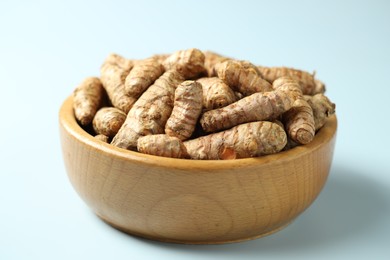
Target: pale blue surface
{"x":48,"y":47}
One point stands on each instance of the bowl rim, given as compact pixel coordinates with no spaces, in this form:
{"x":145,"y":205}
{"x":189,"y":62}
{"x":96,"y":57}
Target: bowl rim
{"x":68,"y":122}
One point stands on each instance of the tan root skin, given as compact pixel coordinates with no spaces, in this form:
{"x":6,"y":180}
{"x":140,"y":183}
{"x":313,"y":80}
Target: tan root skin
{"x":212,"y":58}
{"x":256,"y":107}
{"x":186,"y":110}
{"x":103,"y":138}
{"x":322,"y":108}
{"x":242,"y":141}
{"x":228,"y":107}
{"x":216,"y":93}
{"x":242,"y":77}
{"x":188,"y":63}
{"x":108,"y":120}
{"x":87,"y":98}
{"x":143,"y":74}
{"x":309,"y":85}
{"x":160,"y":57}
{"x":249,"y":66}
{"x":319,"y":87}
{"x":299,"y":122}
{"x":113,"y":74}
{"x":162,"y":145}
{"x":150,"y":113}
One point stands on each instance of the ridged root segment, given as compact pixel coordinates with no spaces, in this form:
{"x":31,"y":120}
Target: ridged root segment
{"x":256,"y":107}
{"x":242,"y":141}
{"x":309,"y":85}
{"x":212,"y":58}
{"x":162,"y":145}
{"x":186,"y":110}
{"x":103,"y":138}
{"x":160,"y":57}
{"x":242,"y":76}
{"x":188,"y":63}
{"x":113,"y":73}
{"x":216,"y":93}
{"x":299,"y":122}
{"x":87,"y":98}
{"x":143,"y":74}
{"x":108,"y":121}
{"x":322,"y":108}
{"x":150,"y":113}
{"x":319,"y":88}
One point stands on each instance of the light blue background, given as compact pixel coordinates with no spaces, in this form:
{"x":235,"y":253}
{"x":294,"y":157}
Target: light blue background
{"x":48,"y":47}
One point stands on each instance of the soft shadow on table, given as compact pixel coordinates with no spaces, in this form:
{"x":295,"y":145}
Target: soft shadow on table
{"x":348,"y":207}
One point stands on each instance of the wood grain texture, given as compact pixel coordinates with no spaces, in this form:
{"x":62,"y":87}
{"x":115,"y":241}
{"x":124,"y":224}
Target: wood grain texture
{"x":194,"y":202}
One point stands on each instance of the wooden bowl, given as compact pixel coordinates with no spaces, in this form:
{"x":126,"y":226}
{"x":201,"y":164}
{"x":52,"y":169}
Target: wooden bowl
{"x":190,"y":201}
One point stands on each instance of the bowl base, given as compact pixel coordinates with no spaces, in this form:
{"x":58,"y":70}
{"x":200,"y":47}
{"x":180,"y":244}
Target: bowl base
{"x":186,"y":242}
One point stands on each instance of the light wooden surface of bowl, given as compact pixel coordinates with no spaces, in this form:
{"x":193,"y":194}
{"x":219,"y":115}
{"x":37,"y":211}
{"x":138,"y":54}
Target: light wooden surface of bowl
{"x":194,"y":202}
